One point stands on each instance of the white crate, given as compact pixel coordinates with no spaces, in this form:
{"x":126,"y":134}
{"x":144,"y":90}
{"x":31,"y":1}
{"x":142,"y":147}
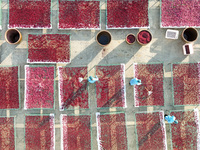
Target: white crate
{"x":171,"y":34}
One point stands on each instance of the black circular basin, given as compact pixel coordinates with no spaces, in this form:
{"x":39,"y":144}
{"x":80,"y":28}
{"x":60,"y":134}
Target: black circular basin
{"x":13,"y":36}
{"x":103,"y":38}
{"x":190,"y":34}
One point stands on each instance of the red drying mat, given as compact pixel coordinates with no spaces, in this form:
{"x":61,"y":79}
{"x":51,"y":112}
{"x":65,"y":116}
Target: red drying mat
{"x":111,"y":131}
{"x":185,"y":134}
{"x":186,"y":84}
{"x":150,"y":92}
{"x":48,"y":48}
{"x":127,"y":14}
{"x":29,"y":14}
{"x":176,"y":13}
{"x":39,"y":87}
{"x":79,"y":14}
{"x":110,"y":89}
{"x":39,"y":132}
{"x":76,"y":132}
{"x":7,"y":133}
{"x":72,"y":92}
{"x":9,"y":87}
{"x":151,"y":134}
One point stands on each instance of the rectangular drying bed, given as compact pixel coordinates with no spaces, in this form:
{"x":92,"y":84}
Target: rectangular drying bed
{"x":40,"y":132}
{"x":150,"y":92}
{"x":150,"y":131}
{"x":34,"y":14}
{"x":75,"y":132}
{"x":111,"y":131}
{"x":79,"y":14}
{"x":73,"y":88}
{"x":122,"y":14}
{"x":7,"y":133}
{"x":48,"y":48}
{"x":39,"y":87}
{"x":110,"y":89}
{"x":185,"y":84}
{"x":186,"y":134}
{"x":9,"y":87}
{"x":180,"y":13}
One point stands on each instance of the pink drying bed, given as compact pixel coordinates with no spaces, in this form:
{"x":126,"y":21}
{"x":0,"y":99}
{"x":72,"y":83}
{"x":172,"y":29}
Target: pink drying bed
{"x":127,"y":13}
{"x":180,"y":13}
{"x":110,"y":89}
{"x":186,"y":84}
{"x":39,"y":132}
{"x":30,"y":14}
{"x":76,"y":132}
{"x":7,"y":133}
{"x":9,"y":87}
{"x":150,"y":128}
{"x":48,"y":48}
{"x":39,"y":87}
{"x":79,"y":14}
{"x":185,"y":134}
{"x":111,"y":131}
{"x":151,"y":92}
{"x":72,"y":92}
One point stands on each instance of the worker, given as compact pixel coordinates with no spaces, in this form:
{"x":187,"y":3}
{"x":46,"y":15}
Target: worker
{"x":171,"y":119}
{"x":135,"y":81}
{"x":93,"y":80}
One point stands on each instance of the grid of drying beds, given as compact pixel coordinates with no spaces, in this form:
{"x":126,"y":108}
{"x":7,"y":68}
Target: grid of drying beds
{"x":86,"y":14}
{"x":73,"y":86}
{"x":111,"y":128}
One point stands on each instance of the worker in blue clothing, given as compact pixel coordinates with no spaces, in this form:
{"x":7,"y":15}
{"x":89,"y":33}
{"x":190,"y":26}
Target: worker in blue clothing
{"x":93,"y":79}
{"x":135,"y":81}
{"x":171,"y":119}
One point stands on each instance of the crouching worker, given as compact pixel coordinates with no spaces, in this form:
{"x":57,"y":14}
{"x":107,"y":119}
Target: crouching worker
{"x":135,"y":81}
{"x":93,"y":79}
{"x":171,"y":119}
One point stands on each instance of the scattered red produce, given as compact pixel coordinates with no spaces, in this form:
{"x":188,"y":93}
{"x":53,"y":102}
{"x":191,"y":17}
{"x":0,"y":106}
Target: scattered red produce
{"x":186,"y":84}
{"x":39,"y":132}
{"x":9,"y":88}
{"x":29,"y":14}
{"x":185,"y":134}
{"x":73,"y":93}
{"x":76,"y":132}
{"x":127,"y":13}
{"x":79,"y":14}
{"x":180,"y":13}
{"x":150,"y":128}
{"x":150,"y":92}
{"x":49,"y":48}
{"x":111,"y":131}
{"x":110,"y":89}
{"x":7,"y":133}
{"x":39,"y":87}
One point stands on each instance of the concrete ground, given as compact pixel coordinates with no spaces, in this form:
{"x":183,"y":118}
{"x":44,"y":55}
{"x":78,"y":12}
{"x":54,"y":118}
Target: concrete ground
{"x":86,"y":51}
